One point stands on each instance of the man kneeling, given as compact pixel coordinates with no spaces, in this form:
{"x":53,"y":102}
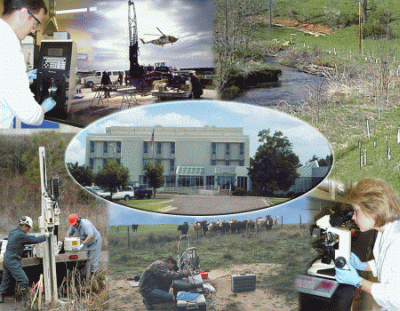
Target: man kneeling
{"x":156,"y":281}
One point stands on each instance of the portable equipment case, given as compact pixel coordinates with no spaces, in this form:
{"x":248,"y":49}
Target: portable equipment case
{"x":243,"y":282}
{"x":193,"y":284}
{"x":198,"y":304}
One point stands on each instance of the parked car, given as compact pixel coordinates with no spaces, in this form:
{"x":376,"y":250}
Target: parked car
{"x":125,"y":193}
{"x":142,"y":192}
{"x":95,"y":78}
{"x":99,"y":191}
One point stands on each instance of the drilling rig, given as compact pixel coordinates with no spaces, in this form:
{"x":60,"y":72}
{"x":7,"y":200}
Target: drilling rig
{"x":133,"y":41}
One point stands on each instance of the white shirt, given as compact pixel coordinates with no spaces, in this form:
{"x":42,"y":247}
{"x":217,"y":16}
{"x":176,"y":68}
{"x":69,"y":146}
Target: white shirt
{"x":386,"y":267}
{"x":16,"y":98}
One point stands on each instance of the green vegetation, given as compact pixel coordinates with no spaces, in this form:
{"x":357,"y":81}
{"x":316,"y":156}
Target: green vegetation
{"x":359,"y":82}
{"x":289,"y":247}
{"x":148,"y":204}
{"x":240,"y":79}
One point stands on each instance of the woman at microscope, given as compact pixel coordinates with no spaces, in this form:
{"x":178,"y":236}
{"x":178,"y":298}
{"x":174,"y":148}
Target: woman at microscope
{"x":376,"y":207}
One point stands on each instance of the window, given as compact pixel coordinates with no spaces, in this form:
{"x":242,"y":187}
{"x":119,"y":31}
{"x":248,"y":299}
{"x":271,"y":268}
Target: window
{"x":227,"y":148}
{"x":159,"y":149}
{"x":241,"y":162}
{"x":104,"y":162}
{"x":172,"y":165}
{"x":210,"y":180}
{"x":214,"y":148}
{"x":170,"y":180}
{"x":173,"y":147}
{"x":105,"y":147}
{"x":213,"y":162}
{"x":118,"y":161}
{"x":242,"y":182}
{"x":91,"y":163}
{"x":92,"y":146}
{"x":145,"y":147}
{"x":118,"y":147}
{"x":241,"y":148}
{"x":227,"y":163}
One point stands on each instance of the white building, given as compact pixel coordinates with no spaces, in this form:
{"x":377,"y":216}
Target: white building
{"x":207,"y":157}
{"x":310,"y":175}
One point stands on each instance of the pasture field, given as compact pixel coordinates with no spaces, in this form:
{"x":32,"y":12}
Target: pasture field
{"x":353,"y":96}
{"x":289,"y":247}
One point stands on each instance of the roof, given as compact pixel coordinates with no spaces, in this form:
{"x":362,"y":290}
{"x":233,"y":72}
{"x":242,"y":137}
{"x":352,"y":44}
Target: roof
{"x":190,"y":170}
{"x":306,"y":170}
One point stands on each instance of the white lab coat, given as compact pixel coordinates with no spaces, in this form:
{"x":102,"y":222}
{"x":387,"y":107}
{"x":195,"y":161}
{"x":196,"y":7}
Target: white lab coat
{"x":386,"y":267}
{"x":16,"y":98}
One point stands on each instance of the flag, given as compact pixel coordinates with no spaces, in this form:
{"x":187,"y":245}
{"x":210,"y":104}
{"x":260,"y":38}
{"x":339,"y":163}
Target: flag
{"x":152,"y":139}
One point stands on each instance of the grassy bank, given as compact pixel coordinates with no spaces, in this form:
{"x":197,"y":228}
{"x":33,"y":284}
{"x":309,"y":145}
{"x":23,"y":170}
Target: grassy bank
{"x":240,"y":78}
{"x":289,"y":247}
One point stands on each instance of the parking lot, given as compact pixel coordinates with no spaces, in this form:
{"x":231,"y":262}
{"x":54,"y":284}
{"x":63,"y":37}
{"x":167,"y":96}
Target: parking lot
{"x":213,"y":205}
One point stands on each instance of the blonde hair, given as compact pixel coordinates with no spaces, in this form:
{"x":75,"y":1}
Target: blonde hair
{"x":376,"y":198}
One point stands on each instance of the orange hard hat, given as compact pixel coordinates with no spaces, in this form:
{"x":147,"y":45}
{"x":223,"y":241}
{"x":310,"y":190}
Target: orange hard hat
{"x":73,"y":219}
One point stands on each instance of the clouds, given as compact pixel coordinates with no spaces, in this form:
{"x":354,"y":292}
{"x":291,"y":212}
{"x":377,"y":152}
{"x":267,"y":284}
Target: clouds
{"x":190,"y":21}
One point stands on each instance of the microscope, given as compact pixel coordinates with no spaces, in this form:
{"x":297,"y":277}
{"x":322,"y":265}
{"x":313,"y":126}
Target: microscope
{"x":333,"y":242}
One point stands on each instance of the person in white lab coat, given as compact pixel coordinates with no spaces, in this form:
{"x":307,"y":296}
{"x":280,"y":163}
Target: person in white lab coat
{"x":19,"y":18}
{"x":376,"y":207}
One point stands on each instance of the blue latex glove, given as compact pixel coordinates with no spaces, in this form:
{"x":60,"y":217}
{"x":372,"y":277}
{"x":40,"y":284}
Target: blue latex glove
{"x":357,"y":263}
{"x":32,"y":74}
{"x":48,"y":104}
{"x":47,"y":234}
{"x":82,"y":245}
{"x":350,"y":277}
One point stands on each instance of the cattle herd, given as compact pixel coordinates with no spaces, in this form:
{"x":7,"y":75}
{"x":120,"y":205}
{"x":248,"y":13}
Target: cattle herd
{"x":233,"y":226}
{"x":222,"y":226}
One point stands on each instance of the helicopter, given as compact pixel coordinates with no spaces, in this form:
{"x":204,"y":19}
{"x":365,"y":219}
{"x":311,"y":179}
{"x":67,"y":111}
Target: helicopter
{"x":162,"y":40}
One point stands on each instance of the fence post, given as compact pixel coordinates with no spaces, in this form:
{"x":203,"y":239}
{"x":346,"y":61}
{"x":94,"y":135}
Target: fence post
{"x":129,"y":244}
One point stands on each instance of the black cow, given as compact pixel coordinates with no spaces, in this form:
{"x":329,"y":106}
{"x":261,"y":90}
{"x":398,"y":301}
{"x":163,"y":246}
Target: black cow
{"x":269,"y":222}
{"x":204,"y":226}
{"x":135,"y":227}
{"x":242,"y":226}
{"x":184,"y":228}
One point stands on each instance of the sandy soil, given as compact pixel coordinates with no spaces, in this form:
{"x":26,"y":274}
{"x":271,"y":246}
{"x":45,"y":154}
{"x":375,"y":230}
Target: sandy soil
{"x":126,"y":297}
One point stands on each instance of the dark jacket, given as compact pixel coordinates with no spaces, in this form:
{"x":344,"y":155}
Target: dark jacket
{"x":17,"y":239}
{"x":157,"y":276}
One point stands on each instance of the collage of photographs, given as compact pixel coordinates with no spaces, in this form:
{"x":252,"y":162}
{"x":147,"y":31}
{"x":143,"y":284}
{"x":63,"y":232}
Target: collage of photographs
{"x":199,"y":155}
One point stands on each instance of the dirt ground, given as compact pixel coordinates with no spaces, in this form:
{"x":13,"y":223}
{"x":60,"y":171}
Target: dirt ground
{"x":126,"y":297}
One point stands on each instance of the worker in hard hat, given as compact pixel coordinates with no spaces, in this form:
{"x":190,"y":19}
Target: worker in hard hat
{"x":12,"y":266}
{"x":91,"y":239}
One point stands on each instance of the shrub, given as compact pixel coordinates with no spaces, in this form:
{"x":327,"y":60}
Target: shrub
{"x":239,"y":191}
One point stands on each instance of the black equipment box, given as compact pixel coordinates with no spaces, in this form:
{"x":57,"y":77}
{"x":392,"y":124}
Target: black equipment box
{"x":199,"y":303}
{"x":189,"y":284}
{"x":243,"y":282}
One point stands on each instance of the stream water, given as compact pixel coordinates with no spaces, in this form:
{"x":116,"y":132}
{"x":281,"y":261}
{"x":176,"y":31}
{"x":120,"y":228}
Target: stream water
{"x":292,"y":88}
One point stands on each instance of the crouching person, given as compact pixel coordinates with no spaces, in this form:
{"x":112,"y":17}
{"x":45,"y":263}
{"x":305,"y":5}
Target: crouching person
{"x":12,"y":266}
{"x":156,"y":281}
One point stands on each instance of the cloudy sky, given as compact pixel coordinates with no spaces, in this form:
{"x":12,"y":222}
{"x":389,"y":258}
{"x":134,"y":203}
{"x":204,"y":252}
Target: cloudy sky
{"x":291,"y":213}
{"x":104,"y":34}
{"x":306,"y":140}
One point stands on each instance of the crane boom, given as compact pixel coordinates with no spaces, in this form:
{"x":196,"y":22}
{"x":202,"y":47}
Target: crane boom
{"x":133,"y":41}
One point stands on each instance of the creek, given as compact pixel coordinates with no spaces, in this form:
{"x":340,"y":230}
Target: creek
{"x":292,"y":88}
